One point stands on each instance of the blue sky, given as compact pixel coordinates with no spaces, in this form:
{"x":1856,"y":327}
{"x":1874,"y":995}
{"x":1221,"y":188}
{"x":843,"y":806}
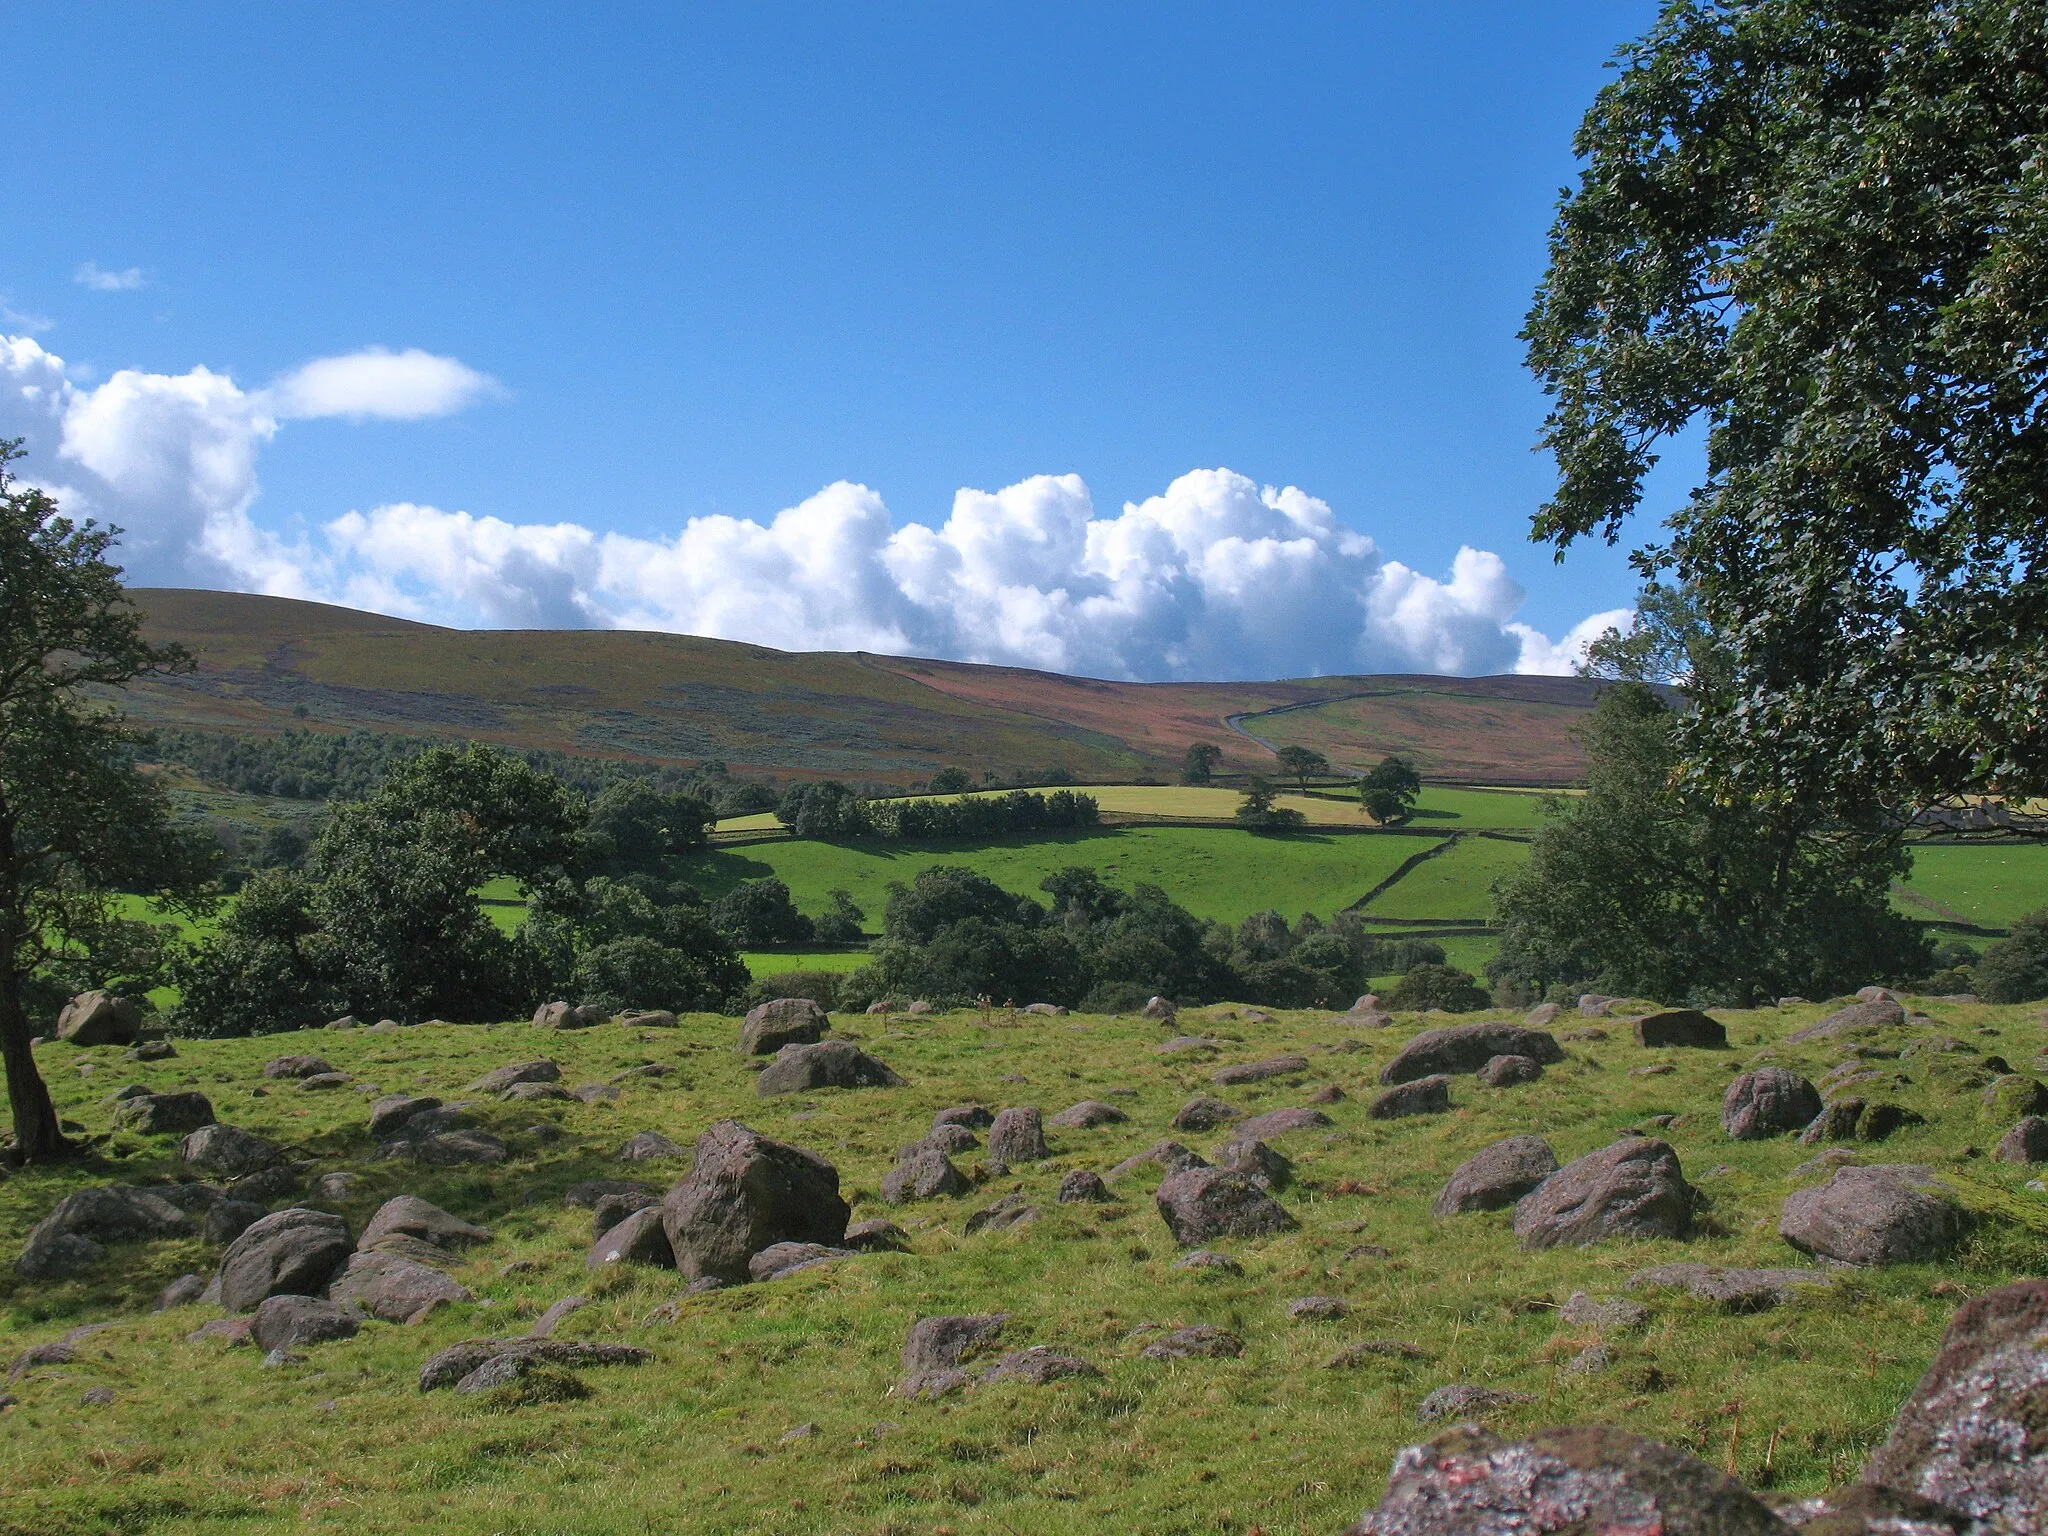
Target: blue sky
{"x":707,"y":264}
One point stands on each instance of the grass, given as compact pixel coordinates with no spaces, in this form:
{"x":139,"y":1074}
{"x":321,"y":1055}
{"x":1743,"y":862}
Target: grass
{"x":1214,"y":872}
{"x":772,"y":962}
{"x":1989,"y":884}
{"x":198,"y":1436}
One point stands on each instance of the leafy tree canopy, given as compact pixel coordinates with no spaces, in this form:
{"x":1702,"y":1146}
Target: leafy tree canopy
{"x":1389,"y":790}
{"x":1302,"y":763}
{"x":1818,"y":231}
{"x":1199,"y":765}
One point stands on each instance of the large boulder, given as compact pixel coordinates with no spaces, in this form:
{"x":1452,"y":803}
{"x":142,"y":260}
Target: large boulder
{"x":2026,"y":1142}
{"x":782,"y":1021}
{"x":1970,"y":1435}
{"x":1016,"y":1138}
{"x":70,"y":1240}
{"x":1681,"y":1027}
{"x":226,"y":1150}
{"x":745,"y":1192}
{"x":297,"y":1066}
{"x":637,"y":1238}
{"x":1279,"y":1122}
{"x":1496,"y":1176}
{"x":1420,"y":1096}
{"x":100,"y":1018}
{"x":1203,"y":1113}
{"x":924,"y":1175}
{"x":161,"y":1114}
{"x":288,"y":1253}
{"x":1893,"y":1213}
{"x":1198,"y":1204}
{"x":1087,"y":1115}
{"x":2011,"y":1097}
{"x":1767,"y":1102}
{"x":501,"y":1078}
{"x":389,"y":1116}
{"x":1461,"y":1048}
{"x":287,"y":1321}
{"x":410,"y":1216}
{"x":568,"y":1016}
{"x":1857,"y":1018}
{"x":1580,"y":1478}
{"x":1632,"y":1189}
{"x":1259,"y":1071}
{"x":828,"y":1064}
{"x":391,"y":1287}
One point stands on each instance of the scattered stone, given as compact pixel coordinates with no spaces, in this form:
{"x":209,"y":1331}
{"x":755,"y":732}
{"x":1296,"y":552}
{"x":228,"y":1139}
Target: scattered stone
{"x":1181,"y":1044}
{"x":1016,"y":1138}
{"x":637,"y":1238}
{"x":1087,"y":1115}
{"x":648,"y":1018}
{"x":100,"y":1018}
{"x":1887,"y":1214}
{"x":779,"y":1260}
{"x":229,"y":1220}
{"x":287,"y":1321}
{"x":1687,"y":1028}
{"x":646,"y":1069}
{"x":1422,"y":1096}
{"x":1654,"y":1069}
{"x":917,"y":1006}
{"x":1045,"y":1010}
{"x":1880,"y":1120}
{"x":1084,"y":1186}
{"x":2026,"y":1142}
{"x":1280,"y":1122}
{"x":322,"y":1082}
{"x":544,"y":1327}
{"x":1257,"y":1162}
{"x":744,"y":1193}
{"x":1038,"y":1366}
{"x":649,"y":1147}
{"x":875,"y":1235}
{"x":96,"y":1397}
{"x":1202,"y":1341}
{"x":481,"y":1364}
{"x":1837,"y":1121}
{"x":1009,"y":1211}
{"x":69,"y":1241}
{"x":152,"y":1050}
{"x":948,"y":1139}
{"x":446,"y":1149}
{"x":973,"y":1116}
{"x":388,"y":1116}
{"x":1595,"y":1005}
{"x":828,"y":1064}
{"x":393,"y":1288}
{"x":1767,"y":1102}
{"x":181,"y":1292}
{"x":1157,"y":1008}
{"x":1857,"y":1018}
{"x":535,"y":1093}
{"x":1632,"y":1189}
{"x":226,"y":1150}
{"x":1619,"y":1315}
{"x":1202,"y":1113}
{"x":1864,"y":1510}
{"x":1506,"y":1071}
{"x":158,"y":1114}
{"x":587,"y":1195}
{"x":1319,"y":1309}
{"x":1259,"y":1071}
{"x":1543,"y":1015}
{"x":1460,"y":1401}
{"x":925,"y":1175}
{"x":2013,"y":1097}
{"x":564,"y":1016}
{"x":1497,"y":1176}
{"x":1209,"y":1259}
{"x":1202,"y":1203}
{"x":289,"y":1252}
{"x":296,"y":1066}
{"x":595,"y":1093}
{"x":1170,"y":1155}
{"x":1329,"y":1093}
{"x":1460,"y":1048}
{"x":1970,"y":1436}
{"x":1739,"y":1290}
{"x":498,"y":1080}
{"x":410,"y":1216}
{"x":782,"y":1021}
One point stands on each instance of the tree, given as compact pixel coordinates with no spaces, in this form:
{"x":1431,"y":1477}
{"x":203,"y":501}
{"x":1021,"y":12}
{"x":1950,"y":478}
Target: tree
{"x":1199,"y":766}
{"x":1649,"y":887}
{"x":2016,"y":970}
{"x":1389,"y":790}
{"x":1302,"y":764}
{"x":635,"y":825}
{"x":1258,"y":811}
{"x":841,"y":925}
{"x":1438,"y":986}
{"x":77,"y":822}
{"x":1817,"y":229}
{"x":950,"y":781}
{"x":826,"y":809}
{"x":759,"y":913}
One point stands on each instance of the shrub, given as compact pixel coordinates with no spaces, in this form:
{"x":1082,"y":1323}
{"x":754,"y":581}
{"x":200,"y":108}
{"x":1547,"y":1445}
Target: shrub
{"x":841,"y":925}
{"x":1437,"y":986}
{"x":2016,"y":971}
{"x":759,"y":913}
{"x":638,"y":972}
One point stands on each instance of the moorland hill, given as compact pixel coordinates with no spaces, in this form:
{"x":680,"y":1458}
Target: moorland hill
{"x":268,"y":663}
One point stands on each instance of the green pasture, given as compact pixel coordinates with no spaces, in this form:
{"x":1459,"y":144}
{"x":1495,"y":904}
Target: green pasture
{"x":1989,"y":884}
{"x":1455,"y":883}
{"x":1218,"y":872}
{"x":773,"y":962}
{"x":197,"y":1437}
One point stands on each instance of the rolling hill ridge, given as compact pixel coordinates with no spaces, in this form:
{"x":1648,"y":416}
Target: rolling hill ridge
{"x":268,"y":663}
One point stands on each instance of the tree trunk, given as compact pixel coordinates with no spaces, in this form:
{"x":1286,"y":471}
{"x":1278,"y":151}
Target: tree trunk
{"x":37,"y":1138}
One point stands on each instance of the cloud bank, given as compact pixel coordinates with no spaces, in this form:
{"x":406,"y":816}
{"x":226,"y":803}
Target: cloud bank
{"x":1215,"y":577}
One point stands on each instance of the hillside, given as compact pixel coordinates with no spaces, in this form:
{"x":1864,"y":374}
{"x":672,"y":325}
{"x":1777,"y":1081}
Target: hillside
{"x":266,"y":663}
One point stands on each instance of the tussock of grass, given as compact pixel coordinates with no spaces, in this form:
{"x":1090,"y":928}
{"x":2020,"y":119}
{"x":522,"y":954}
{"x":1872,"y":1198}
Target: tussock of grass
{"x":199,"y":1437}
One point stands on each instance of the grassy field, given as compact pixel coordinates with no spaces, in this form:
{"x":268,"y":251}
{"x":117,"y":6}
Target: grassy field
{"x":1455,"y":883}
{"x":198,"y":1437}
{"x":772,"y":962}
{"x":1213,"y":872}
{"x":1989,"y":884}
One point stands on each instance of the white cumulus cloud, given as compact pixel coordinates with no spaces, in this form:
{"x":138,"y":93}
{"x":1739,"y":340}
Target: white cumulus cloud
{"x":1215,"y":577}
{"x":92,"y":275}
{"x":394,"y":386}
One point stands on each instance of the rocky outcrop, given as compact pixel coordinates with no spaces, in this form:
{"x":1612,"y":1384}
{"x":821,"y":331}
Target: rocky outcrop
{"x":1465,"y":1048}
{"x":782,"y":1021}
{"x":745,"y":1192}
{"x":1893,"y":1213}
{"x":1496,"y":1176}
{"x":288,"y":1253}
{"x":1632,"y":1189}
{"x":828,"y":1064}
